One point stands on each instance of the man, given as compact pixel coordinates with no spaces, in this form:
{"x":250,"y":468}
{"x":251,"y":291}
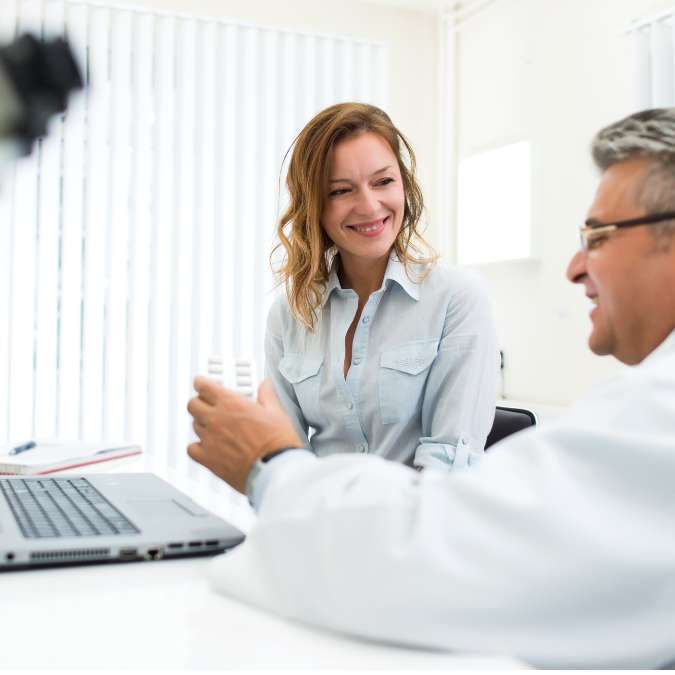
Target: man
{"x":559,"y":547}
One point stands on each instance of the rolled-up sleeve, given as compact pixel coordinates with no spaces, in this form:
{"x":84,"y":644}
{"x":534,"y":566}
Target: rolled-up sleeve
{"x":461,"y":390}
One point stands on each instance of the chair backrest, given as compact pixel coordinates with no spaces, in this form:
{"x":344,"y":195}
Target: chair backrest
{"x":508,"y":421}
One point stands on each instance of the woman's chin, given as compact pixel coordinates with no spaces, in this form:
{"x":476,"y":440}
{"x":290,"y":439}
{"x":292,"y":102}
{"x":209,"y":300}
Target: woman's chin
{"x":370,"y":254}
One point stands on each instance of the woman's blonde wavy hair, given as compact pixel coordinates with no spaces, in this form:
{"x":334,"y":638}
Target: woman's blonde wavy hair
{"x":309,"y":252}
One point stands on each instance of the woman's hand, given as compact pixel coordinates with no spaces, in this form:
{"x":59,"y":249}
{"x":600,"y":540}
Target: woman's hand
{"x":234,"y":431}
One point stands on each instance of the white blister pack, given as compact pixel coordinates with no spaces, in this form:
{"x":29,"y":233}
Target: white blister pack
{"x":238,"y":373}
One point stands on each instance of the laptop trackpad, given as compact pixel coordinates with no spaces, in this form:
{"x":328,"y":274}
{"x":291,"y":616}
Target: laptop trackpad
{"x":161,"y":508}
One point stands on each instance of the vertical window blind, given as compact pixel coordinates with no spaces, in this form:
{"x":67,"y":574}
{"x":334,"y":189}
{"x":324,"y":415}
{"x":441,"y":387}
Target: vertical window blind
{"x":135,"y":239}
{"x":654,"y":61}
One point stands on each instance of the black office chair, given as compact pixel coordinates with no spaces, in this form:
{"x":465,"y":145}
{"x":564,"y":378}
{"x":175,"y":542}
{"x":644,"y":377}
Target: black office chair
{"x":507,"y":422}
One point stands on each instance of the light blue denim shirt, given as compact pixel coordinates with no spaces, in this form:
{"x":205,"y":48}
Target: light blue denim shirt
{"x":421,"y":387}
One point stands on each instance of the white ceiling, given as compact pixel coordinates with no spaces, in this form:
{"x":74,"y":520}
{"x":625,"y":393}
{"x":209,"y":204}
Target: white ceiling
{"x":436,"y":7}
{"x":426,"y":6}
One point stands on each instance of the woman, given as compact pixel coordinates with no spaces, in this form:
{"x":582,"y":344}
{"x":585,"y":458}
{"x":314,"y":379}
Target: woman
{"x":375,"y":348}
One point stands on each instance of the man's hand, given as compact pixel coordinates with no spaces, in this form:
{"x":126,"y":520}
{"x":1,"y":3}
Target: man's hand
{"x":234,"y":431}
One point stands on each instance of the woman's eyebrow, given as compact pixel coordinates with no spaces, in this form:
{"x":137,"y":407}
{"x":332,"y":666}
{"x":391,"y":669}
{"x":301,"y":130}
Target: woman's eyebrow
{"x":347,"y":180}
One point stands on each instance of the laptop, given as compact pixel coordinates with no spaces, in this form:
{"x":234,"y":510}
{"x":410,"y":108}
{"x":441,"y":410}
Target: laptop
{"x":73,"y":519}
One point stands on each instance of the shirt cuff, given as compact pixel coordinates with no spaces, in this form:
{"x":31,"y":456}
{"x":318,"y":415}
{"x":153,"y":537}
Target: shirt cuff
{"x":446,"y":456}
{"x":258,"y":481}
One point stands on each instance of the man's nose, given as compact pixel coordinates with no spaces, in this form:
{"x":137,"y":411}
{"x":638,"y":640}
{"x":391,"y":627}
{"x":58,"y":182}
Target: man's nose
{"x":576,"y":269}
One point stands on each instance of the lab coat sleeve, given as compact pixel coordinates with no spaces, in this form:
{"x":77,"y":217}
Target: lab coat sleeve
{"x":557,"y":548}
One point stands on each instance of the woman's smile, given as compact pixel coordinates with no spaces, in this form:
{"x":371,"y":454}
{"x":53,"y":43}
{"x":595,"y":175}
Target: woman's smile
{"x":372,"y":228}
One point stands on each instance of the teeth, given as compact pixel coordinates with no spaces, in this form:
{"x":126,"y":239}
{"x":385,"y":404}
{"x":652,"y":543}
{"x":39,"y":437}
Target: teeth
{"x":367,"y":228}
{"x":594,"y":300}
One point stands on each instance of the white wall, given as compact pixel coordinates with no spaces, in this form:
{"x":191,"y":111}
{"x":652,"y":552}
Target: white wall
{"x":552,"y":72}
{"x":412,"y":38}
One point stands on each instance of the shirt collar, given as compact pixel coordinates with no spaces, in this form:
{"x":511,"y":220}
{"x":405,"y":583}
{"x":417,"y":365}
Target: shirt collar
{"x":333,"y":281}
{"x":395,"y":273}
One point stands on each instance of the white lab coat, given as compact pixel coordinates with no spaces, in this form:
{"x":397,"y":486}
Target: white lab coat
{"x":558,"y":548}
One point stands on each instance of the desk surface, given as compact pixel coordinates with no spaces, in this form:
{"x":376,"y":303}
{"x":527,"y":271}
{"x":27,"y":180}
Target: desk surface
{"x":163,"y":615}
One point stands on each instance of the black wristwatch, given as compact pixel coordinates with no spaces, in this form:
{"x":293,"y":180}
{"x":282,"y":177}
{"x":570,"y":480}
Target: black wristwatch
{"x":258,"y":467}
{"x":274,"y":454}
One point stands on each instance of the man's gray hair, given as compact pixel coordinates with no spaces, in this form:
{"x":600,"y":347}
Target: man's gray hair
{"x":649,"y":134}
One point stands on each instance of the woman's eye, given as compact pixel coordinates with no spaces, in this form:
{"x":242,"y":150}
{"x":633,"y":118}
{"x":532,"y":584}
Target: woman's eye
{"x":338,"y":192}
{"x":385,"y":181}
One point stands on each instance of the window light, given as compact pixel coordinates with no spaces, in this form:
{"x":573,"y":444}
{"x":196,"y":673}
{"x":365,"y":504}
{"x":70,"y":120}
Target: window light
{"x":493,"y":218}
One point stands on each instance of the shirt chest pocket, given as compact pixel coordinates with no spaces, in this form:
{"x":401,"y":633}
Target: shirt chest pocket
{"x":402,"y":376}
{"x":303,"y":373}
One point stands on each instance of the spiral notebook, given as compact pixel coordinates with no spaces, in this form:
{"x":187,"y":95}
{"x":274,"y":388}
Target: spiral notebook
{"x":51,"y":456}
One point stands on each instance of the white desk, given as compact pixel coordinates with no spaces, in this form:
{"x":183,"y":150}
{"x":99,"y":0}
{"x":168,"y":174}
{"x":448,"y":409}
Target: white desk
{"x":165,"y":615}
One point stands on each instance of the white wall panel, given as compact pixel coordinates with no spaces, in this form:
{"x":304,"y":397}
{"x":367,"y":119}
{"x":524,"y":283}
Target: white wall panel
{"x":642,"y":80}
{"x":6,"y":232}
{"x":46,"y":273}
{"x":186,"y":237}
{"x":48,"y":277}
{"x":346,"y":89}
{"x":270,"y":155}
{"x":226,"y":234}
{"x":23,"y":282}
{"x":139,"y":226}
{"x":378,"y":76}
{"x":22,"y":318}
{"x":290,"y":88}
{"x":662,"y":64}
{"x":325,"y":83}
{"x":96,"y":224}
{"x":8,"y":19}
{"x":73,"y":176}
{"x":247,"y":222}
{"x":117,"y":227}
{"x":307,"y":49}
{"x":654,"y":62}
{"x":203,"y":259}
{"x":161,"y":249}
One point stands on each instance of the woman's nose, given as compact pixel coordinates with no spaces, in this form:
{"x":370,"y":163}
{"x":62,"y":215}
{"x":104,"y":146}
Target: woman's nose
{"x":367,"y":201}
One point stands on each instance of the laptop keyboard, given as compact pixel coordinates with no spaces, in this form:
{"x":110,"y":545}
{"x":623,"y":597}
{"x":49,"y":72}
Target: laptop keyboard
{"x":62,"y":507}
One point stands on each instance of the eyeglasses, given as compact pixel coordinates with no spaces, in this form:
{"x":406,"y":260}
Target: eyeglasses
{"x":593,"y":234}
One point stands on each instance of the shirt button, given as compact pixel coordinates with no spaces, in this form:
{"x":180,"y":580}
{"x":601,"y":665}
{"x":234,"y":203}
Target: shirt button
{"x":366,"y":319}
{"x":357,"y":361}
{"x":350,"y":405}
{"x":362,"y":447}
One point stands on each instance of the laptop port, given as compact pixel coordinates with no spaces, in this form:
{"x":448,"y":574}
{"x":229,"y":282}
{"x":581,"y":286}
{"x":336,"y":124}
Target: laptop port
{"x":211,"y":542}
{"x":128,"y":553}
{"x":176,"y":544}
{"x":194,"y":544}
{"x":155,"y":553}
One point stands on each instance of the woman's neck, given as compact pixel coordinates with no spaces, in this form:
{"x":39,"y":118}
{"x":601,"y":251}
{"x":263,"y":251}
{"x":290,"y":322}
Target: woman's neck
{"x":364,"y":276}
